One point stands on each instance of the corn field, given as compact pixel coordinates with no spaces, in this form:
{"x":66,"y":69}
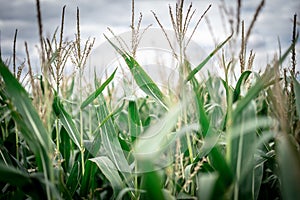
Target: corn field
{"x":234,"y":136}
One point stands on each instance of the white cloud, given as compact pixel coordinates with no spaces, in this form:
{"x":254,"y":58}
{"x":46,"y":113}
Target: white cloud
{"x":95,"y":16}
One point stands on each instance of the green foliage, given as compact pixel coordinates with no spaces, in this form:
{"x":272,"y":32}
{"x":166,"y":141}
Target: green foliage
{"x":216,"y":140}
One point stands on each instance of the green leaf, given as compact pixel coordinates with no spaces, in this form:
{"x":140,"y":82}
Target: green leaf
{"x":203,"y":63}
{"x":134,"y":120}
{"x":289,"y":165}
{"x":66,"y":121}
{"x":74,"y":178}
{"x":157,"y":137}
{"x":110,"y":172}
{"x":206,"y":184}
{"x":66,"y":147}
{"x":241,"y":148}
{"x":9,"y":174}
{"x":29,"y":184}
{"x":257,"y":180}
{"x":29,"y":124}
{"x":88,"y":180}
{"x":142,"y":79}
{"x":98,"y":91}
{"x":226,"y":176}
{"x":151,"y":183}
{"x":203,"y":118}
{"x":237,"y":90}
{"x":264,"y":81}
{"x":210,"y":141}
{"x":252,"y":93}
{"x":111,"y":142}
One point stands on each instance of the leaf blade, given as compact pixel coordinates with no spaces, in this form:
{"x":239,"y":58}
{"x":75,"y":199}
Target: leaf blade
{"x":97,"y":92}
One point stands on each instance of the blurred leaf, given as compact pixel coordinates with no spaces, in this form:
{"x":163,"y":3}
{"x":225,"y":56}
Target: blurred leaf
{"x":237,"y":90}
{"x":29,"y":124}
{"x":203,"y":63}
{"x":289,"y":165}
{"x":252,"y":93}
{"x":74,"y":178}
{"x":142,"y":79}
{"x":167,"y":195}
{"x":151,"y":183}
{"x":134,"y":120}
{"x":289,"y":50}
{"x":203,"y":118}
{"x":156,"y":138}
{"x":110,"y":172}
{"x":124,"y":191}
{"x":257,"y":180}
{"x":98,"y":91}
{"x":31,"y":185}
{"x":210,"y":141}
{"x":297,"y":94}
{"x":70,"y":89}
{"x":16,"y":177}
{"x":66,"y":147}
{"x":224,"y":182}
{"x":241,"y":149}
{"x":66,"y":121}
{"x":111,"y":142}
{"x":206,"y":184}
{"x":88,"y":179}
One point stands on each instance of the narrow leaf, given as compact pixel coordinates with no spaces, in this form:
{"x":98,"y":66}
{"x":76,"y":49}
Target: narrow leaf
{"x":66,"y":121}
{"x":142,"y":79}
{"x":206,"y":185}
{"x":28,"y":120}
{"x":134,"y":120}
{"x":203,"y":63}
{"x":289,"y":165}
{"x":241,"y":148}
{"x":110,"y":172}
{"x":237,"y":90}
{"x":98,"y":91}
{"x":151,"y":143}
{"x":203,"y":118}
{"x":111,"y":142}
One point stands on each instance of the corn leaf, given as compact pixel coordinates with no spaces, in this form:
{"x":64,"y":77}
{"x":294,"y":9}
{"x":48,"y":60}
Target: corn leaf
{"x":28,"y":120}
{"x":30,"y":185}
{"x":88,"y":181}
{"x":289,"y":162}
{"x":202,"y":118}
{"x":206,"y":184}
{"x":157,"y":137}
{"x":142,"y":79}
{"x":73,"y":179}
{"x":111,"y":142}
{"x":98,"y":91}
{"x":257,"y":180}
{"x":237,"y":90}
{"x":225,"y":174}
{"x":110,"y":172}
{"x":252,"y":93}
{"x":134,"y":121}
{"x":203,"y":63}
{"x":241,"y":148}
{"x":151,"y":183}
{"x":66,"y":121}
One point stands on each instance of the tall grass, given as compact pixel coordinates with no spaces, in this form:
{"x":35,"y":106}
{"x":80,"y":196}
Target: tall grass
{"x":220,"y":139}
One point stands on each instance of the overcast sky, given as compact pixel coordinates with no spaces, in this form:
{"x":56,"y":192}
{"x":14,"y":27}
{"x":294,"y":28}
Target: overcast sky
{"x":96,"y":15}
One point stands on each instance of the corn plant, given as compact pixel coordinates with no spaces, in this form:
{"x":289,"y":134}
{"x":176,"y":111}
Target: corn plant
{"x":235,"y":136}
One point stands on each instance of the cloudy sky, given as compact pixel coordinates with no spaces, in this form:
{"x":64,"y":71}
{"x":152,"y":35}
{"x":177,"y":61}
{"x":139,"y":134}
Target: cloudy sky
{"x":274,"y":22}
